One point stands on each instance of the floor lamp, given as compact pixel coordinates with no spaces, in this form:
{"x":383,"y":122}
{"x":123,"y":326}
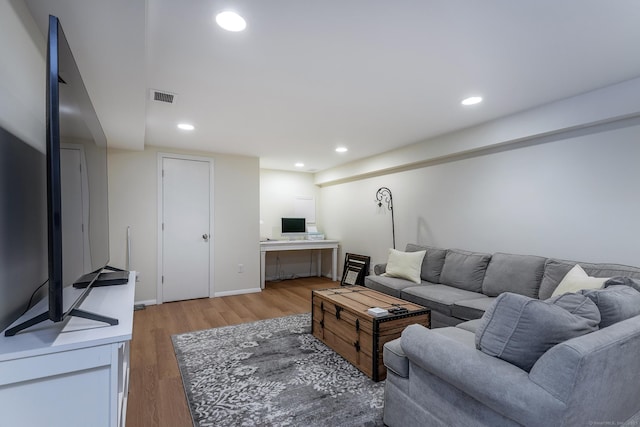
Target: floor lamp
{"x":384,"y":195}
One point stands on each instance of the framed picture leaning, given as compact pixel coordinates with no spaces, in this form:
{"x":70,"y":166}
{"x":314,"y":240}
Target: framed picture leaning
{"x":356,"y":267}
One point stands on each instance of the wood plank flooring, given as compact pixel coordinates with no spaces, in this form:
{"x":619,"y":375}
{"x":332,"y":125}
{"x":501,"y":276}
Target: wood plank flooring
{"x":156,"y":394}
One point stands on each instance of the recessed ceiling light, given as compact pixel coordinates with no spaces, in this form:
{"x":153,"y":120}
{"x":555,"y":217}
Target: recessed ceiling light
{"x":185,"y":126}
{"x":342,"y":150}
{"x":231,"y":21}
{"x":299,"y":165}
{"x":472,"y":100}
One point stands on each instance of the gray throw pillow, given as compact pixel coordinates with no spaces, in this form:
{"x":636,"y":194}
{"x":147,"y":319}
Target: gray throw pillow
{"x":626,"y":281}
{"x":578,"y":305}
{"x":616,"y":303}
{"x":520,"y":274}
{"x":464,"y":269}
{"x":432,"y":262}
{"x":519,"y":329}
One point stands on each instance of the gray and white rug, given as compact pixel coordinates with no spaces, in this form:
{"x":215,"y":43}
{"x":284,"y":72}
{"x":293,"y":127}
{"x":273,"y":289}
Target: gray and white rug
{"x":273,"y":373}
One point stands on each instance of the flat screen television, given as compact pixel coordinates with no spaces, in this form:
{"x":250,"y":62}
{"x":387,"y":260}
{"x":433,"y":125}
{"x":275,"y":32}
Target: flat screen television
{"x":293,"y":225}
{"x":76,"y":172}
{"x":23,"y":224}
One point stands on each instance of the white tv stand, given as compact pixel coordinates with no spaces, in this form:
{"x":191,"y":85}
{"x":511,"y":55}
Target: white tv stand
{"x":71,"y":373}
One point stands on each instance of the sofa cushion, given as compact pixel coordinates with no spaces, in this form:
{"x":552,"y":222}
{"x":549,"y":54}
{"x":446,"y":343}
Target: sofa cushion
{"x":460,"y":335}
{"x":575,"y":304}
{"x":577,"y":279}
{"x":437,"y":297}
{"x":616,"y":303}
{"x":471,"y":308}
{"x":387,"y":285}
{"x":520,"y":329}
{"x":554,"y":272}
{"x":441,"y":320}
{"x":520,"y":274}
{"x":432,"y":262}
{"x":404,"y":265}
{"x":470,"y":325}
{"x":464,"y":269}
{"x":556,"y":269}
{"x":395,"y":359}
{"x":626,"y":281}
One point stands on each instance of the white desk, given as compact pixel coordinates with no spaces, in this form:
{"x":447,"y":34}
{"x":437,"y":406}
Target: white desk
{"x":300,"y":245}
{"x":71,"y":373}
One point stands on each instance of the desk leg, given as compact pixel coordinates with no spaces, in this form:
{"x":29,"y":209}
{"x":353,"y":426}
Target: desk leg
{"x":263,"y":264}
{"x":334,"y":264}
{"x":319,"y":261}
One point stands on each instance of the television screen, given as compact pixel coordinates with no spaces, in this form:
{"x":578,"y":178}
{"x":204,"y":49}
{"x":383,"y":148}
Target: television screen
{"x":79,"y":240}
{"x":76,"y":171}
{"x":83,"y":174}
{"x":23,"y":224}
{"x":293,"y":225}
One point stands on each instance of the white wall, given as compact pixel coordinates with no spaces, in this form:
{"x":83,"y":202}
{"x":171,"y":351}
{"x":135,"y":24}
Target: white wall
{"x":599,"y":106}
{"x":22,"y":74}
{"x":133,"y":202}
{"x":573,"y":196}
{"x":278,"y":190}
{"x":559,"y":181}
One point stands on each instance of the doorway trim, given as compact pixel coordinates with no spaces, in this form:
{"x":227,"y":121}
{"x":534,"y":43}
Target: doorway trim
{"x":161,"y":156}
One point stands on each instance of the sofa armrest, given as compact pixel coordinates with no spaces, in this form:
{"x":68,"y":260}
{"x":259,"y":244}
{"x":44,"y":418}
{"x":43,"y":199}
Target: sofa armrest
{"x":378,"y":269}
{"x":501,"y":386}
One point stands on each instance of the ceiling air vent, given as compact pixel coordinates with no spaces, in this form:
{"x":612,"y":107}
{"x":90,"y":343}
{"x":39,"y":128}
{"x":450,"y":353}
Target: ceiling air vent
{"x":163,"y":96}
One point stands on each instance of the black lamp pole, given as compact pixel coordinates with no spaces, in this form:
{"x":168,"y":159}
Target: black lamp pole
{"x":384,"y":195}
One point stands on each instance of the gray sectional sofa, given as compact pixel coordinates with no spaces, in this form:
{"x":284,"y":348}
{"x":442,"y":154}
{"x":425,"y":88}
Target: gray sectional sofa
{"x":437,"y":377}
{"x":515,"y":357}
{"x":459,"y":285}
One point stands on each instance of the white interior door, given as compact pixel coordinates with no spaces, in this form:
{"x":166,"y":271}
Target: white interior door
{"x":185,"y":229}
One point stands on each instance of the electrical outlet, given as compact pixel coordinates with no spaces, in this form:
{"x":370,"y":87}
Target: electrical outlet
{"x":137,"y":276}
{"x":240,"y":268}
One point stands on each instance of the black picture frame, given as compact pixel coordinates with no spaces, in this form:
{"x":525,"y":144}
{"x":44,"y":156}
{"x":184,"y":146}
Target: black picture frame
{"x":356,"y":268}
{"x":351,"y":275}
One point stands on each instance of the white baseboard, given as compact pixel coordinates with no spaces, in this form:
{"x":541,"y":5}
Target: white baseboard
{"x":216,"y":294}
{"x":237,"y":292}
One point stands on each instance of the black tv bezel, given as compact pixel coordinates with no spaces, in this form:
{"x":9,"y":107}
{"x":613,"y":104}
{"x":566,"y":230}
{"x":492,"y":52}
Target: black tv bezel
{"x":54,"y":191}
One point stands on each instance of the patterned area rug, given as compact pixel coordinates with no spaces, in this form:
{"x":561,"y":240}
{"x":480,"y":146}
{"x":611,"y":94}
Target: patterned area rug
{"x":273,"y":373}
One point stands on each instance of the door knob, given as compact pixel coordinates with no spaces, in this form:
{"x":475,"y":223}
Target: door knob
{"x":205,"y":236}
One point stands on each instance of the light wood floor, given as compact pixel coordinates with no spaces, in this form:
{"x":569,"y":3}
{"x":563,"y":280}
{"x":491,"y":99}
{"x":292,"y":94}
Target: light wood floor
{"x":156,"y":394}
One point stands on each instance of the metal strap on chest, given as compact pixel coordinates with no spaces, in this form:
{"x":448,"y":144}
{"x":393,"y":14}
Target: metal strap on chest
{"x":357,"y":343}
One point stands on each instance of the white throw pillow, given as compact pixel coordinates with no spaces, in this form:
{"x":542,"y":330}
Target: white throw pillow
{"x":405,"y":265}
{"x":576,"y":280}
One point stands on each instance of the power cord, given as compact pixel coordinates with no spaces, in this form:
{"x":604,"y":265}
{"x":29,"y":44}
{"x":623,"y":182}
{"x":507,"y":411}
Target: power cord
{"x":33,"y":295}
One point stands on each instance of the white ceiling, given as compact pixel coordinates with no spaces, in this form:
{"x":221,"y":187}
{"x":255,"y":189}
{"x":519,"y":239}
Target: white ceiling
{"x":307,"y":76}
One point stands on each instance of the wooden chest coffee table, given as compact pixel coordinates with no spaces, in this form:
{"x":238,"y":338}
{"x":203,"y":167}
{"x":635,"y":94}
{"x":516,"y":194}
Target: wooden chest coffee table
{"x":340,"y":320}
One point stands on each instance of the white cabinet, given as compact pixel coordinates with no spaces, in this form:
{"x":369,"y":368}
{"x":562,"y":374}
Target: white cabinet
{"x":72,"y":373}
